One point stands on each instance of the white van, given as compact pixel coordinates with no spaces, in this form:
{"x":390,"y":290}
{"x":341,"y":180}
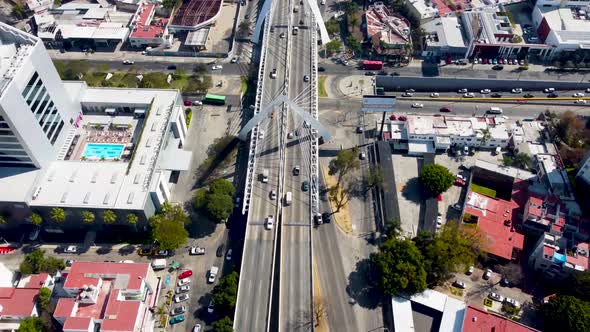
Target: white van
{"x":288,"y":198}
{"x":265,"y":175}
{"x":495,"y":110}
{"x":212,"y":274}
{"x":159,"y":264}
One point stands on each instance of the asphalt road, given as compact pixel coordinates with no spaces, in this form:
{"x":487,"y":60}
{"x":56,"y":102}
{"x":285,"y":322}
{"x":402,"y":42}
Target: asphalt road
{"x":295,"y":274}
{"x":254,"y":294}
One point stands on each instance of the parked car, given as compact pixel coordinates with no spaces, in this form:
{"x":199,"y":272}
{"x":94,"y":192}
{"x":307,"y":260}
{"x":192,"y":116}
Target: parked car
{"x":498,"y":67}
{"x":176,"y":320}
{"x":459,"y":284}
{"x":321,"y":69}
{"x":459,"y":182}
{"x":228,"y":255}
{"x":272,"y":195}
{"x":457,"y":206}
{"x":211,"y":307}
{"x":317,"y":219}
{"x":439,"y":222}
{"x":181,"y":298}
{"x":171,"y":67}
{"x":359,"y":130}
{"x":197,"y":251}
{"x":462,"y":91}
{"x":296,"y":170}
{"x":179,"y":310}
{"x":182,"y":282}
{"x":496,"y":297}
{"x":485,"y":91}
{"x":220,"y":249}
{"x":183,"y":289}
{"x":185,"y":274}
{"x":469,"y":95}
{"x":234,"y":59}
{"x":516,"y":90}
{"x":197,"y":328}
{"x":470,"y":270}
{"x":128,"y":62}
{"x":217,"y":67}
{"x":362,"y":156}
{"x":269,"y":222}
{"x":305,"y":185}
{"x":487,"y":274}
{"x":71,"y":250}
{"x":417,"y":105}
{"x":549,"y":90}
{"x":327,"y":217}
{"x":306,"y":78}
{"x":445,"y":109}
{"x":513,"y":302}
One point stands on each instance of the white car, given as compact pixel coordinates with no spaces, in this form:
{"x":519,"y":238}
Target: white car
{"x":434,"y":95}
{"x":417,"y":105}
{"x":211,"y":307}
{"x":273,"y":73}
{"x":183,"y":289}
{"x":439,"y":222}
{"x":290,"y":135}
{"x":580,"y":101}
{"x":197,"y":102}
{"x":234,"y":59}
{"x":469,"y":95}
{"x":270,"y":220}
{"x":71,"y":250}
{"x":578,"y":94}
{"x":217,"y":67}
{"x":181,"y":298}
{"x":196,"y":251}
{"x":485,"y":91}
{"x":273,"y":195}
{"x":549,"y":90}
{"x":407,"y":94}
{"x":496,"y":297}
{"x":261,"y":134}
{"x":512,"y":301}
{"x":228,"y":255}
{"x":516,"y":90}
{"x":183,"y":282}
{"x":128,"y":62}
{"x":461,"y":177}
{"x":462,"y":91}
{"x":197,"y":328}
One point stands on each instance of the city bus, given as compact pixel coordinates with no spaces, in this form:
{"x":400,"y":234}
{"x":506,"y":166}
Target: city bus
{"x":214,"y":99}
{"x":372,"y":65}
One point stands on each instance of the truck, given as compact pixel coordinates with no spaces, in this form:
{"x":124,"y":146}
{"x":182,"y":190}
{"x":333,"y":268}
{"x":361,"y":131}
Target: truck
{"x":265,"y":175}
{"x":159,"y":264}
{"x":372,"y":65}
{"x":288,"y":198}
{"x":212,"y":274}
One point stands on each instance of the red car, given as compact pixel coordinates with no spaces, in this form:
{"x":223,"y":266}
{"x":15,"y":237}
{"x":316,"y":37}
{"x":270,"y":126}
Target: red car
{"x":459,"y":182}
{"x":402,"y":118}
{"x":188,"y":103}
{"x":439,"y":197}
{"x":393,"y":117}
{"x":445,"y":109}
{"x":185,"y":274}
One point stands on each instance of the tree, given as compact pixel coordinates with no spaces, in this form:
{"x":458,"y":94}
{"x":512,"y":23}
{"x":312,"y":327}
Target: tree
{"x":332,"y":26}
{"x":344,"y":163}
{"x":217,"y":200}
{"x":18,"y":10}
{"x":57,"y":214}
{"x":200,"y":68}
{"x":169,"y":4}
{"x":570,"y":129}
{"x":44,"y":298}
{"x":485,"y":135}
{"x":512,"y":272}
{"x":109,"y":217}
{"x":354,"y":44}
{"x":375,"y":178}
{"x":319,"y":310}
{"x":350,"y":7}
{"x":36,"y":219}
{"x":436,"y":178}
{"x":225,"y":294}
{"x":31,"y":324}
{"x":333,"y":46}
{"x":223,"y":325}
{"x":201,"y":198}
{"x":449,"y":251}
{"x":88,"y":217}
{"x":339,"y":195}
{"x":168,"y":227}
{"x":222,"y":186}
{"x":179,"y":73}
{"x":399,"y":267}
{"x":521,"y":160}
{"x":132,"y":219}
{"x":244,"y":28}
{"x":566,"y":314}
{"x":219,"y":207}
{"x":36,"y":262}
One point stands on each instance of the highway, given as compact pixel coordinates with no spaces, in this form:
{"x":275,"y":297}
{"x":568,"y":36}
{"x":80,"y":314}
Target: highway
{"x":254,"y":293}
{"x":295,"y":304}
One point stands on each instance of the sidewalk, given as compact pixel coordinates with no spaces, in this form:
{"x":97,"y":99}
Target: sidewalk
{"x":355,"y":86}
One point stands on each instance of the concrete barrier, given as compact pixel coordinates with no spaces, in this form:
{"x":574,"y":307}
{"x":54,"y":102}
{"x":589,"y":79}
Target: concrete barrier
{"x":441,"y":84}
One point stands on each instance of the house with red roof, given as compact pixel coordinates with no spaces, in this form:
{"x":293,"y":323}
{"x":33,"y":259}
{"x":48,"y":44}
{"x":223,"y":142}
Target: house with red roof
{"x":118,"y":296}
{"x":147,"y":30}
{"x":480,"y":320}
{"x":20,"y":302}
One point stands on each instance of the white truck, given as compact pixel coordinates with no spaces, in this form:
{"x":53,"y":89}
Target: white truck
{"x":288,"y":198}
{"x":265,"y":175}
{"x":159,"y":264}
{"x":212,"y":274}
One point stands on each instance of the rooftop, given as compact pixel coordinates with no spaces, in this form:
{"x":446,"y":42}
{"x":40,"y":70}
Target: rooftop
{"x":449,"y":312}
{"x":479,"y":320}
{"x":455,"y":126}
{"x":444,"y":31}
{"x":486,"y":26}
{"x":15,"y":47}
{"x":569,"y":24}
{"x":144,"y":24}
{"x":392,"y":29}
{"x":196,"y":13}
{"x":127,"y":276}
{"x":18,"y":301}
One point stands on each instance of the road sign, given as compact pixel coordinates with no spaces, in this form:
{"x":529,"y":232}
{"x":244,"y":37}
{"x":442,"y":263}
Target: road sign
{"x":372,"y":104}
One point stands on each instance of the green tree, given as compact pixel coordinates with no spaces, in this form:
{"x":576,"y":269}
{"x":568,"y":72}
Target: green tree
{"x":375,"y":178}
{"x":58,"y":215}
{"x":36,"y":262}
{"x":219,"y":206}
{"x":343,"y":164}
{"x":169,"y":4}
{"x":222,"y":186}
{"x":88,"y":217}
{"x":18,"y":10}
{"x":449,"y":251}
{"x":132,"y":219}
{"x":109,"y":217}
{"x":354,"y":44}
{"x":566,"y":314}
{"x":168,"y":227}
{"x":333,"y":46}
{"x":244,"y":28}
{"x":44,"y":298}
{"x":36,"y":219}
{"x":223,"y":325}
{"x":2,"y":220}
{"x":436,"y":178}
{"x":350,"y":7}
{"x":485,"y":135}
{"x":179,"y":73}
{"x":332,"y":26}
{"x":201,"y":198}
{"x":399,"y":267}
{"x":225,"y":294}
{"x":200,"y":68}
{"x":31,"y":324}
{"x":521,"y":160}
{"x":340,"y":195}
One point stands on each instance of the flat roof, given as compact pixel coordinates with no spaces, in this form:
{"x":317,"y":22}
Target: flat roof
{"x":444,"y":31}
{"x":452,"y":311}
{"x":193,"y":13}
{"x":145,"y":25}
{"x":197,"y":38}
{"x":479,"y":320}
{"x":455,"y":126}
{"x":566,"y":23}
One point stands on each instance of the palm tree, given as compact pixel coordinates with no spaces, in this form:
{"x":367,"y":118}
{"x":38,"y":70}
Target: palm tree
{"x":58,"y":215}
{"x":132,"y":219}
{"x":522,"y":160}
{"x":36,"y":219}
{"x":109,"y":217}
{"x":244,"y":28}
{"x":486,"y":135}
{"x":88,"y":217}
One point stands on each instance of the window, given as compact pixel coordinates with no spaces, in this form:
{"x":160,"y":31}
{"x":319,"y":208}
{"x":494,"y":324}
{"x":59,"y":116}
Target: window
{"x":30,"y":84}
{"x":59,"y":128}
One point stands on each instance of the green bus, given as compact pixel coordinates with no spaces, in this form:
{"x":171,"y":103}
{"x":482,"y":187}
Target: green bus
{"x":214,"y":99}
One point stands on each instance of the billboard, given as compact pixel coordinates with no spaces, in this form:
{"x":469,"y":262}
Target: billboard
{"x":379,"y":104}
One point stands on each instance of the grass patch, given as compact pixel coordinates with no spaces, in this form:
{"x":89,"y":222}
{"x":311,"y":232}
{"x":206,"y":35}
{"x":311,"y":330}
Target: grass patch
{"x":483,"y":190}
{"x":322,"y":87}
{"x":188,"y":113}
{"x":456,"y":291}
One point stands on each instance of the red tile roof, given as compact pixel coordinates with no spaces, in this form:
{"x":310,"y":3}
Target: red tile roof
{"x":77,"y":323}
{"x":64,"y":307}
{"x":80,"y":271}
{"x":146,"y":26}
{"x":37,"y":280}
{"x":580,"y":260}
{"x":18,"y":301}
{"x":479,"y":320}
{"x":496,"y":219}
{"x":196,"y":12}
{"x":119,"y":311}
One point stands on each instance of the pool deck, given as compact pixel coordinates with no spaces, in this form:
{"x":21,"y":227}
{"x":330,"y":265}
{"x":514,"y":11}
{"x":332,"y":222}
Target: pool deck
{"x":91,"y":135}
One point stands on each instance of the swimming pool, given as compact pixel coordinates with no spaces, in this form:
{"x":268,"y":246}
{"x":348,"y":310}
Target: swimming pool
{"x":106,"y":151}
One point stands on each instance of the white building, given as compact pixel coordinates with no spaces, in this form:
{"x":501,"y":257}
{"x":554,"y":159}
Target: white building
{"x":147,"y":30}
{"x":419,"y":312}
{"x":426,"y":134}
{"x":557,"y":258}
{"x":444,"y":37}
{"x":563,"y":28}
{"x":78,"y":148}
